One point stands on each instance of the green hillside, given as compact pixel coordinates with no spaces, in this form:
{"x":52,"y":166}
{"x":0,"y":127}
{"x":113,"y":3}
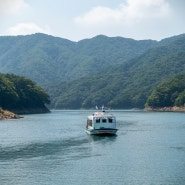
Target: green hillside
{"x":47,"y":59}
{"x":115,"y":72}
{"x":21,"y":95}
{"x":126,"y":85}
{"x":169,"y":93}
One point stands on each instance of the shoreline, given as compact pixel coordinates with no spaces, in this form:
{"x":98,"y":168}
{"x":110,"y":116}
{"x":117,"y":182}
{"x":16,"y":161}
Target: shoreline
{"x":5,"y":114}
{"x":166,"y":109}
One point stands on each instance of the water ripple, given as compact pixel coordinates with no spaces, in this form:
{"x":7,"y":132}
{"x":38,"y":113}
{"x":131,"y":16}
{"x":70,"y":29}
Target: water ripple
{"x":41,"y":149}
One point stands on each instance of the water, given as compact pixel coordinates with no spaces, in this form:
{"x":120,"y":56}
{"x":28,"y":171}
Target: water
{"x":53,"y":149}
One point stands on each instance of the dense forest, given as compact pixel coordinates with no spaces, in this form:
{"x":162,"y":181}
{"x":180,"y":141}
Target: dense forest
{"x":112,"y":71}
{"x":47,"y":59}
{"x":127,"y":85}
{"x":21,"y":95}
{"x":168,"y":93}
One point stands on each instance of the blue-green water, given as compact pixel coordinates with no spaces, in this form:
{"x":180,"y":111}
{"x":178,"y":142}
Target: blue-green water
{"x":53,"y":149}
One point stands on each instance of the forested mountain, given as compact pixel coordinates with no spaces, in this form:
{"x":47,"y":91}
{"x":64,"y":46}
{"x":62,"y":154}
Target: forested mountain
{"x":115,"y":72}
{"x":21,"y":95}
{"x":168,"y":93}
{"x":126,"y":85}
{"x":46,"y":59}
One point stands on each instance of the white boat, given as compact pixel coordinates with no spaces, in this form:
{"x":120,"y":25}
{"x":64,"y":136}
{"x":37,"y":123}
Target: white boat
{"x":101,"y":123}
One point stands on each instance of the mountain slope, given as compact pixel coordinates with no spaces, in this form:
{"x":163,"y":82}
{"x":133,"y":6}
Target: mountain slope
{"x":116,"y":72}
{"x":169,"y":93}
{"x":48,"y":59}
{"x":21,"y":95}
{"x":126,"y":85}
{"x":35,"y":56}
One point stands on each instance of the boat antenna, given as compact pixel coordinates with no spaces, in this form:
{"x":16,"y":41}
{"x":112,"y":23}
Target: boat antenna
{"x":103,"y":108}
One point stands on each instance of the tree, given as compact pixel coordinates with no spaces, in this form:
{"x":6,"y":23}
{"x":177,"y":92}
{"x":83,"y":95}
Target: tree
{"x":8,"y":94}
{"x":168,"y":93}
{"x":19,"y":93}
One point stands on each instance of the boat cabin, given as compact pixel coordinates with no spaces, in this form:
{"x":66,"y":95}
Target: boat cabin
{"x":99,"y":120}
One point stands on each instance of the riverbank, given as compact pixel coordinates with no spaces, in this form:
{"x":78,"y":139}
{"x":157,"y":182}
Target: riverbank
{"x":166,"y":109}
{"x":5,"y":114}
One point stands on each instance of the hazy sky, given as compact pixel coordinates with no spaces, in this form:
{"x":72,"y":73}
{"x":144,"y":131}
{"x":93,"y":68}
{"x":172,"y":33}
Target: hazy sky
{"x":80,"y":19}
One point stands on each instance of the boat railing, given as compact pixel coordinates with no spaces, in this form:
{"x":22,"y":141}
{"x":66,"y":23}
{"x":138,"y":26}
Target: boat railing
{"x":102,"y":114}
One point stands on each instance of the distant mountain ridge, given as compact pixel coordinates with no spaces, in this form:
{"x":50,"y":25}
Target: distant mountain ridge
{"x":48,"y":59}
{"x":125,"y":85}
{"x":114,"y":71}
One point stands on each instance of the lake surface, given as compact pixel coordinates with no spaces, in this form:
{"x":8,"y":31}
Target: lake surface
{"x":53,"y":149}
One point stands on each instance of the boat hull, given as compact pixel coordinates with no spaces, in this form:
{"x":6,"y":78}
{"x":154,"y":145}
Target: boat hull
{"x":101,"y":131}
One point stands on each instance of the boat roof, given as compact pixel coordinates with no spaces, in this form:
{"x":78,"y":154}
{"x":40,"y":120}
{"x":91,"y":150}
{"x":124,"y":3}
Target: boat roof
{"x":102,"y":114}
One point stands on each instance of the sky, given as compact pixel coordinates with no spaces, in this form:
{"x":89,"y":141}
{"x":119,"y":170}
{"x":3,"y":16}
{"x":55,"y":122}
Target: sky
{"x":80,"y":19}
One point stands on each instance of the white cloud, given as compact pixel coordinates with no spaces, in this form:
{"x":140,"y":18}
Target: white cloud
{"x":131,"y":11}
{"x":99,"y":15}
{"x":146,"y":8}
{"x":11,"y":6}
{"x":27,"y":28}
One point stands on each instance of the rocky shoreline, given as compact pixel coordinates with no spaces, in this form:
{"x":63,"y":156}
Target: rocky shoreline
{"x":5,"y":114}
{"x":14,"y":113}
{"x":166,"y":109}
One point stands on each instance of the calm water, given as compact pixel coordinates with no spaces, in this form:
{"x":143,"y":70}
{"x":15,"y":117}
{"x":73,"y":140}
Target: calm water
{"x":53,"y":149}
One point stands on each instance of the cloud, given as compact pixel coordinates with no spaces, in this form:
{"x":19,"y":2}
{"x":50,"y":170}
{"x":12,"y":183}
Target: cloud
{"x":27,"y":28}
{"x":11,"y":6}
{"x":146,"y":8}
{"x":99,"y":15}
{"x":131,"y":11}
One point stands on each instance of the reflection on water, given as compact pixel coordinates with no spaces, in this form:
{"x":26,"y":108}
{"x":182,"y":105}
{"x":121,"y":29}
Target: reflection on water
{"x":181,"y":148}
{"x":102,"y":138}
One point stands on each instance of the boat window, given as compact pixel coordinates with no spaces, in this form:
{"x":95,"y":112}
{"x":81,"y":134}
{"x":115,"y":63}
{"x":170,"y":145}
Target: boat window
{"x":110,"y":120}
{"x":97,"y":120}
{"x":104,"y":120}
{"x":89,"y":122}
